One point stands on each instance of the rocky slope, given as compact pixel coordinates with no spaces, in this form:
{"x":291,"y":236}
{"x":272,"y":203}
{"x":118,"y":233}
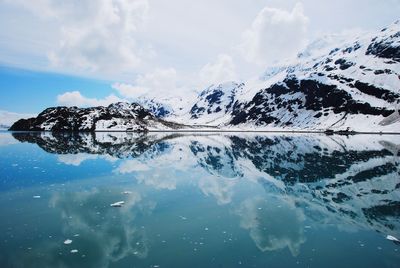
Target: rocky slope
{"x":337,"y":83}
{"x":115,"y":117}
{"x":354,"y":86}
{"x":215,"y":104}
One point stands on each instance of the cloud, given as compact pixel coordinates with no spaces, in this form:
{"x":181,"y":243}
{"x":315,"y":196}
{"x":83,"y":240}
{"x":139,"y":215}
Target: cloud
{"x":161,"y":81}
{"x":221,"y":189}
{"x":129,"y":166}
{"x":220,"y":71}
{"x":8,"y":118}
{"x":78,"y":159}
{"x":274,"y":224}
{"x":7,"y":139}
{"x":75,"y":98}
{"x":275,"y":34}
{"x":95,"y":36}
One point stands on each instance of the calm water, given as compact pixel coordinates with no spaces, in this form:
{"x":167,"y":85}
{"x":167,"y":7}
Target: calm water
{"x":199,"y":200}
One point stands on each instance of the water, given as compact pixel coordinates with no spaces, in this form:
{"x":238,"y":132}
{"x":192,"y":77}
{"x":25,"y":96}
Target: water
{"x":254,"y":200}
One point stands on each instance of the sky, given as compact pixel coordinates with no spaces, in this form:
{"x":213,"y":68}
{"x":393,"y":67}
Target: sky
{"x":95,"y":52}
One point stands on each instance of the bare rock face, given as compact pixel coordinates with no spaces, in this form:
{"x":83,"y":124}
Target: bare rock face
{"x":116,"y":117}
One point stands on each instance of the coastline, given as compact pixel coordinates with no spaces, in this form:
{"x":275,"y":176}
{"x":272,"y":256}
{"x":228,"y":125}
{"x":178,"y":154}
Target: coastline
{"x":214,"y":131}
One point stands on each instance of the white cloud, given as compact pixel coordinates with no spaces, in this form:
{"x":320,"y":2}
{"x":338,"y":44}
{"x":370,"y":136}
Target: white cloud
{"x":7,"y":139}
{"x":118,"y":39}
{"x":130,"y":166}
{"x":8,"y":118}
{"x":78,"y":159}
{"x":75,"y":98}
{"x":95,"y":36}
{"x":161,"y":81}
{"x":220,"y":71}
{"x":268,"y":233}
{"x":275,"y":34}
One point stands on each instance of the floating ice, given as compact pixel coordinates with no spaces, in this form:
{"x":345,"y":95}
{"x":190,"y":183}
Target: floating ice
{"x":183,"y":218}
{"x":36,"y":196}
{"x":392,"y":238}
{"x":74,"y":251}
{"x":68,"y":241}
{"x":118,"y":204}
{"x":127,"y":192}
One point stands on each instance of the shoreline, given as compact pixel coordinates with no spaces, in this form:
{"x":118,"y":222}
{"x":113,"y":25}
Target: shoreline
{"x":341,"y":133}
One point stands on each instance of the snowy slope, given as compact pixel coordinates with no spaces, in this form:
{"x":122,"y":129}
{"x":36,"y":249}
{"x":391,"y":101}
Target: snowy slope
{"x":116,"y":117}
{"x":338,"y":82}
{"x":214,"y":104}
{"x":353,"y":86}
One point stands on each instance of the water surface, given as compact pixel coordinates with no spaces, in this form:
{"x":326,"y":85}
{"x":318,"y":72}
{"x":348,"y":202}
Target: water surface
{"x":199,"y":200}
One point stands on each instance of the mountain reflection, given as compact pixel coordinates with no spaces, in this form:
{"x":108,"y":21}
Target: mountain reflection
{"x":352,"y":182}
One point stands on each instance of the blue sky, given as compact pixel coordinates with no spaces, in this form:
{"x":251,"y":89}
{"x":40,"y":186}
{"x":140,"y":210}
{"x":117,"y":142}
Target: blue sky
{"x":93,"y":52}
{"x":25,"y":91}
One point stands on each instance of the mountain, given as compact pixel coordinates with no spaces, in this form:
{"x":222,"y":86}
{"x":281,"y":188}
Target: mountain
{"x":355,"y":86}
{"x":338,"y":82}
{"x":116,"y":117}
{"x":215,"y":104}
{"x":157,"y":107}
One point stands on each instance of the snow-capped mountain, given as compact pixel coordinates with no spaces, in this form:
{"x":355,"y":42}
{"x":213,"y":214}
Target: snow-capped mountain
{"x":351,"y":86}
{"x":116,"y":117}
{"x":215,"y":104}
{"x":338,"y":83}
{"x":159,"y":108}
{"x":354,"y":86}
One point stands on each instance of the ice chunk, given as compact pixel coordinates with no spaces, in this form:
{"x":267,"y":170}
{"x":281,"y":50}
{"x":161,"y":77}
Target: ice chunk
{"x":68,"y":241}
{"x":392,"y":238}
{"x":36,"y":196}
{"x":118,"y":204}
{"x":74,"y":251}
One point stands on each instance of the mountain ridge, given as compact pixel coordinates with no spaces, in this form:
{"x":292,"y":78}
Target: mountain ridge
{"x":335,"y":84}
